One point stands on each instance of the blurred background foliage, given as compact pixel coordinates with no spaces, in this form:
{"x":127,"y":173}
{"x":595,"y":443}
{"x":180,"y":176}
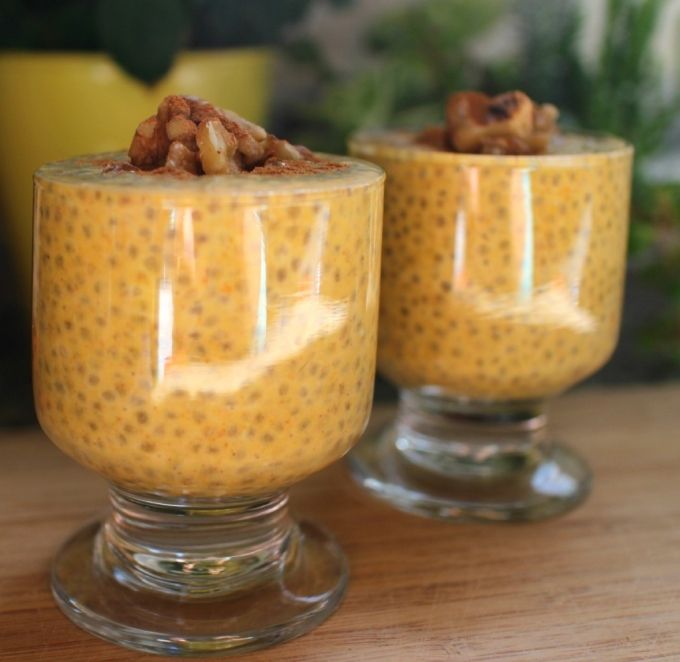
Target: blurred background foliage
{"x":420,"y":53}
{"x":144,"y":36}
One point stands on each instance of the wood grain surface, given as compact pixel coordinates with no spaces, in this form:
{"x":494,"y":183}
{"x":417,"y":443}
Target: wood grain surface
{"x":602,"y":583}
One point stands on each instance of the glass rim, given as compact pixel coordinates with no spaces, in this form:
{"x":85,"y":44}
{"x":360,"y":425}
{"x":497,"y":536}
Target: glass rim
{"x":84,"y":171}
{"x":366,"y":143}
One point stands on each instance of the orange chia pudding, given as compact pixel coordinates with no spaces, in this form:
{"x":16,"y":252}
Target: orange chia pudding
{"x":501,"y":275}
{"x":205,"y":336}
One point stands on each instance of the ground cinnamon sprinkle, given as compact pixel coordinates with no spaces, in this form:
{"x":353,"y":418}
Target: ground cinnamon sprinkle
{"x":297,"y":167}
{"x":109,"y":165}
{"x":270,"y":168}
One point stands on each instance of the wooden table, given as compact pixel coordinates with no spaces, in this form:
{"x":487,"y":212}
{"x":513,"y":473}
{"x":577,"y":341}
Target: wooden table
{"x":602,"y":583}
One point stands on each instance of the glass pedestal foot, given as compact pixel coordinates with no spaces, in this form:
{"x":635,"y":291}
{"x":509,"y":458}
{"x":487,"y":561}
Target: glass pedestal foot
{"x":461,"y":460}
{"x":194,"y":578}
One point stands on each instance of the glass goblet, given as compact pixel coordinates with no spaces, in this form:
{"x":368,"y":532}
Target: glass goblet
{"x":203,"y":344}
{"x":502,"y":282}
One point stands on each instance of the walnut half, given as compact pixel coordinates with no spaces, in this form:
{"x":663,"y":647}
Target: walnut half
{"x":510,"y":123}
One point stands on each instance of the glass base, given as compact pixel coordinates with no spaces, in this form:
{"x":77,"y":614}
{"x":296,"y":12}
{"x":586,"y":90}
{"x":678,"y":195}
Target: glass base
{"x":198,"y":579}
{"x":455,"y":459}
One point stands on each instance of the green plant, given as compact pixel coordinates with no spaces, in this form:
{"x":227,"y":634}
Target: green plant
{"x":422,"y":53}
{"x":547,"y":65}
{"x":619,"y":94}
{"x":419,"y":53}
{"x":144,"y":36}
{"x":659,"y":266}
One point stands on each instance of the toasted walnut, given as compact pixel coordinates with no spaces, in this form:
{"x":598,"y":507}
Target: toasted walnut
{"x":192,"y":135}
{"x":173,"y":106}
{"x":252,"y":151}
{"x":283,"y":150}
{"x":152,"y":140}
{"x":183,"y":130}
{"x":145,"y":150}
{"x":217,"y":148}
{"x":509,"y":123}
{"x":545,"y":125}
{"x":256,"y":131}
{"x":250,"y":137}
{"x":180,"y":157}
{"x":201,"y":110}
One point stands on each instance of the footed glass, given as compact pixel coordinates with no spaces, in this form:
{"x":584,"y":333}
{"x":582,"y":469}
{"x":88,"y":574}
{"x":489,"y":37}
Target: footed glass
{"x":203,"y":344}
{"x":502,"y":283}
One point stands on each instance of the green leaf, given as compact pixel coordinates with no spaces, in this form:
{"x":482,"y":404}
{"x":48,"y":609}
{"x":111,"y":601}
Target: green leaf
{"x":65,"y":25}
{"x":305,"y":52}
{"x":143,"y":36}
{"x":420,"y":54}
{"x":14,"y":32}
{"x":416,"y":117}
{"x":219,"y":23}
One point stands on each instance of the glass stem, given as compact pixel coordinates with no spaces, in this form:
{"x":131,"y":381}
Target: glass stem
{"x":195,"y":547}
{"x":462,"y":437}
